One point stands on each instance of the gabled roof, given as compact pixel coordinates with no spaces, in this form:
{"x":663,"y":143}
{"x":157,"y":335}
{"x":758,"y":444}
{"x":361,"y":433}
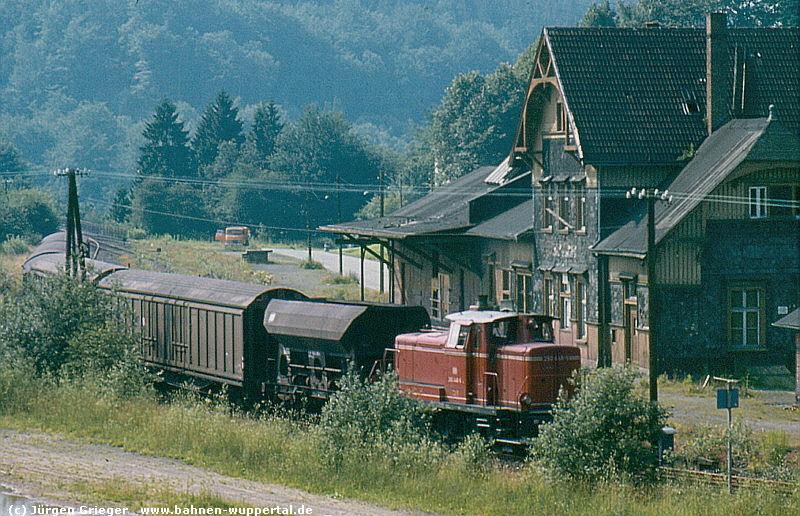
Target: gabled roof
{"x":758,"y":139}
{"x":444,"y":209}
{"x":626,"y":88}
{"x":454,"y":208}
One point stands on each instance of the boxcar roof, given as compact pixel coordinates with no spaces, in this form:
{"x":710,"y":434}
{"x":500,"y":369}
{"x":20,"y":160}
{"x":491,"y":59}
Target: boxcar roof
{"x":53,"y":243}
{"x":327,"y":321}
{"x":53,"y":263}
{"x":234,"y":294}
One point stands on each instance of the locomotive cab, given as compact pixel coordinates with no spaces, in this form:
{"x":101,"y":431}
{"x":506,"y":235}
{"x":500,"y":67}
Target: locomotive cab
{"x":502,"y":367}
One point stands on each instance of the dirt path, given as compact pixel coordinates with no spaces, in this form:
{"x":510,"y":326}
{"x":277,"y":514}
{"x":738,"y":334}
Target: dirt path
{"x":44,"y":467}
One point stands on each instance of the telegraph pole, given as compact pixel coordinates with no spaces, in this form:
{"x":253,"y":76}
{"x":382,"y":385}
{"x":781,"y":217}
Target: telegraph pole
{"x":380,"y":267}
{"x":308,"y":221}
{"x":339,"y":219}
{"x":75,"y":255}
{"x":651,"y":195}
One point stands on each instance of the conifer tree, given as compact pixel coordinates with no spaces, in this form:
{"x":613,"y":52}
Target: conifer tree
{"x":166,"y":151}
{"x":267,"y":126}
{"x":219,"y":124}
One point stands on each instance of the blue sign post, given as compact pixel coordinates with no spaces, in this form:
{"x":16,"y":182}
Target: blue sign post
{"x":728,"y":399}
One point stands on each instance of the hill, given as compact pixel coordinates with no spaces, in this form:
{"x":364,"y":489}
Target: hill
{"x":78,"y":78}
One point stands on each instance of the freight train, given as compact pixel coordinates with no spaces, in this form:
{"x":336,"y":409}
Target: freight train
{"x":497,"y":372}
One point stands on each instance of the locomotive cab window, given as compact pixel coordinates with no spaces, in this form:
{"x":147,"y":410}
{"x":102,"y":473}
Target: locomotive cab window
{"x":458,"y":336}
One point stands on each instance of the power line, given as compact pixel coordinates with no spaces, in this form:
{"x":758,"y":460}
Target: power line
{"x":375,"y":189}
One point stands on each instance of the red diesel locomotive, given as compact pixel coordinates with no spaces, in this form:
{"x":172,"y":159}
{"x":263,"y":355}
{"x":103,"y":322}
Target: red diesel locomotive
{"x":497,"y":372}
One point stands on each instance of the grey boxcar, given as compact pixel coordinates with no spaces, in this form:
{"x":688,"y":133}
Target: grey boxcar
{"x":207,"y":330}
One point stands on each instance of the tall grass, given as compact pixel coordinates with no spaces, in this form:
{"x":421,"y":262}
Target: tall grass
{"x":271,"y":446}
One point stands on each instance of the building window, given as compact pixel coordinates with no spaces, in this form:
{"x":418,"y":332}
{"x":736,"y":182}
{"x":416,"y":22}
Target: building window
{"x":548,"y":205}
{"x":758,"y":202}
{"x":628,"y":287}
{"x":440,"y":295}
{"x":563,"y":207}
{"x":560,"y":117}
{"x":746,"y":317}
{"x":436,"y":299}
{"x":524,"y":292}
{"x":580,"y":207}
{"x":565,"y":302}
{"x":784,"y":201}
{"x":505,"y":289}
{"x":548,"y":297}
{"x":580,"y":310}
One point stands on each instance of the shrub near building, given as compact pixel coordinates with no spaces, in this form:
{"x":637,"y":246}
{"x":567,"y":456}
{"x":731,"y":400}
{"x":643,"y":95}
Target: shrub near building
{"x":607,"y":431}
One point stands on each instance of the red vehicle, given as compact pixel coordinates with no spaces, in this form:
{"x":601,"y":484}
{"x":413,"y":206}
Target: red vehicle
{"x":497,"y":372}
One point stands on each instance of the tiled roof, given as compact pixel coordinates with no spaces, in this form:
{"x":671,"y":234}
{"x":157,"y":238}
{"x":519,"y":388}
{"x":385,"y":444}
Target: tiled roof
{"x":626,"y":88}
{"x":739,"y":140}
{"x":444,"y":209}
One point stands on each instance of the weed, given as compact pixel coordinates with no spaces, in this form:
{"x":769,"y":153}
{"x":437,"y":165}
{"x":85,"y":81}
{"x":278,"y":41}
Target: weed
{"x":338,"y":279}
{"x":311,"y":265}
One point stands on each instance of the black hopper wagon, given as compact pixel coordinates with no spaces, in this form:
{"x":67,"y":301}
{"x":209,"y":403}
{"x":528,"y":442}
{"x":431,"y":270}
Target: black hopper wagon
{"x":318,"y":340}
{"x":200,"y":331}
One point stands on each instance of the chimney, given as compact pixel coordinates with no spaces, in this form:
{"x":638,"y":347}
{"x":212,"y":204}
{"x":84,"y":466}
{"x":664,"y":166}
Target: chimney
{"x":718,"y":74}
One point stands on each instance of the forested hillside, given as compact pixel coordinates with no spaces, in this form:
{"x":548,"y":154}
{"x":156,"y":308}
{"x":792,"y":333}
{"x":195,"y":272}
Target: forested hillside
{"x":78,"y":78}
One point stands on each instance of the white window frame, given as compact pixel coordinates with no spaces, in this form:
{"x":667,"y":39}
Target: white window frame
{"x":740,"y":318}
{"x":757,"y":202}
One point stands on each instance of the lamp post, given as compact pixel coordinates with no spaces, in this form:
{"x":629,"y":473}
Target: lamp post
{"x":651,"y":195}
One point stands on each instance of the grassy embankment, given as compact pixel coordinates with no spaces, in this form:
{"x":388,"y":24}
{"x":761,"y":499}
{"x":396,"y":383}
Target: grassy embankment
{"x":273,"y":448}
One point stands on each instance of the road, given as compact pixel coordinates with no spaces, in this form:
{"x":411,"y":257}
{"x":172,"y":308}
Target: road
{"x":350,"y":265}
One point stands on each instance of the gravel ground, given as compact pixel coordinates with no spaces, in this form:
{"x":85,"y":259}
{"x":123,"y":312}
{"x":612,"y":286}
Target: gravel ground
{"x":43,"y":466}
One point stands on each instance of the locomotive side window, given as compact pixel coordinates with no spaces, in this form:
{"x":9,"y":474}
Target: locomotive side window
{"x":457,"y":338}
{"x":463,"y":335}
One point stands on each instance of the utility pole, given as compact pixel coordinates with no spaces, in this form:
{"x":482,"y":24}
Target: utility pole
{"x":308,"y":221}
{"x":339,"y":219}
{"x":651,"y":195}
{"x":75,"y":255}
{"x":380,"y":267}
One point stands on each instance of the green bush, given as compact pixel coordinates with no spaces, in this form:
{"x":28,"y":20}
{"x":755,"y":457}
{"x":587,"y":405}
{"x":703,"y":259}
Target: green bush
{"x":14,"y":245}
{"x":373,"y":421}
{"x":607,"y":431}
{"x":311,"y":265}
{"x":67,"y":327}
{"x":27,"y":213}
